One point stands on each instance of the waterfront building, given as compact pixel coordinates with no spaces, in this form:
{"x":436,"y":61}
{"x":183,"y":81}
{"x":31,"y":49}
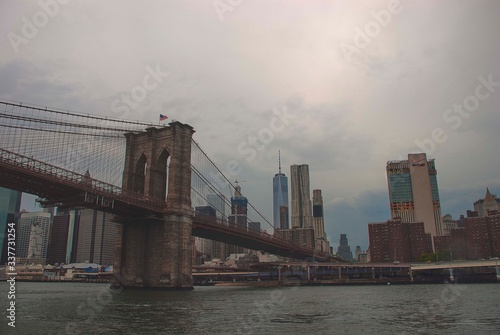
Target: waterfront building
{"x":454,"y":245}
{"x":398,"y":241}
{"x":413,"y":192}
{"x":96,"y":237}
{"x":478,"y":239}
{"x":39,"y":237}
{"x":62,"y":234}
{"x":280,"y":199}
{"x":301,"y":214}
{"x":36,"y":225}
{"x":10,"y":203}
{"x":23,"y":232}
{"x":475,"y":236}
{"x":344,"y":250}
{"x":489,"y":205}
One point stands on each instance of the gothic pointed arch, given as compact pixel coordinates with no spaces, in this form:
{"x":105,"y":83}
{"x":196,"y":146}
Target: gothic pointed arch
{"x":161,"y":170}
{"x":138,"y":178}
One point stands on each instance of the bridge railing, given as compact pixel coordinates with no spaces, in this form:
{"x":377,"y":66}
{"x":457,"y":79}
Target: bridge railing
{"x":75,"y":179}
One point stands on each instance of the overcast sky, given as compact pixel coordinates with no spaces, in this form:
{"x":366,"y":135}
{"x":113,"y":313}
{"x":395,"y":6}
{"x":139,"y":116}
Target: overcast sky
{"x":354,"y":83}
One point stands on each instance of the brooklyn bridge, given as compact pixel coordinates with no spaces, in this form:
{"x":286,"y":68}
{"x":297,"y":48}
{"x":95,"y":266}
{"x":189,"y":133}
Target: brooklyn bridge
{"x":150,"y":177}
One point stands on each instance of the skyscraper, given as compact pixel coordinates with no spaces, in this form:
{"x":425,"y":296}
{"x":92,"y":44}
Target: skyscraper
{"x":413,"y":192}
{"x":239,"y":208}
{"x":39,"y":236}
{"x":321,"y":243}
{"x":23,"y":237}
{"x":238,"y":216}
{"x":301,"y":215}
{"x":280,"y":198}
{"x":319,"y":221}
{"x":36,"y":225}
{"x":344,"y":250}
{"x":62,"y":234}
{"x":96,"y":237}
{"x":10,"y":203}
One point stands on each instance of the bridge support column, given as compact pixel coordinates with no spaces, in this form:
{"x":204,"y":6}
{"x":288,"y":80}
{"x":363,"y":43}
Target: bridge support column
{"x":497,"y":270}
{"x":154,"y":255}
{"x":155,"y":252}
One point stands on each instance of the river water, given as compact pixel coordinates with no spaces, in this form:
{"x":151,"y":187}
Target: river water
{"x":79,"y":308}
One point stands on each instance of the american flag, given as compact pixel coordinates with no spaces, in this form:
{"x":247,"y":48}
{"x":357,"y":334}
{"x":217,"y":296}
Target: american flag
{"x":163,"y":117}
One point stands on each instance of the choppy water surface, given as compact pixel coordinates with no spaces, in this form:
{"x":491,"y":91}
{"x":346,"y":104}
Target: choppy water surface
{"x":77,"y":308}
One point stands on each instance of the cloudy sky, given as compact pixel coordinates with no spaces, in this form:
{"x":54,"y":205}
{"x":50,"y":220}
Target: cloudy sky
{"x":343,"y":86}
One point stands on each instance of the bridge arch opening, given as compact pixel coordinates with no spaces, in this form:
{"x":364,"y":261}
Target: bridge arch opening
{"x":161,"y":177}
{"x":137,"y":182}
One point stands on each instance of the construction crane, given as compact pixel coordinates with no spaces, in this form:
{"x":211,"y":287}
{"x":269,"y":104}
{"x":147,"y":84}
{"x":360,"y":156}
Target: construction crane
{"x":239,"y":181}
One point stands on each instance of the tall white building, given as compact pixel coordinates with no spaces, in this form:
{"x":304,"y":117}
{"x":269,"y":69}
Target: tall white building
{"x":38,"y":225}
{"x":23,"y":236}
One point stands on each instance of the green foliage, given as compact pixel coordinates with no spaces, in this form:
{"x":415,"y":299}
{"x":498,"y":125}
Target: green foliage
{"x":442,"y":255}
{"x":427,"y":257}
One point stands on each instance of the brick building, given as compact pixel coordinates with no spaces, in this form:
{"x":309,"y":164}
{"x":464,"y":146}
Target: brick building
{"x":480,"y":238}
{"x":395,"y":240}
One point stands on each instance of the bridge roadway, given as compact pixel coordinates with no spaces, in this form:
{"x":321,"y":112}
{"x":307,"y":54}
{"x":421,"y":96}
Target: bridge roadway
{"x":491,"y":263}
{"x":69,"y":189}
{"x":455,"y":265}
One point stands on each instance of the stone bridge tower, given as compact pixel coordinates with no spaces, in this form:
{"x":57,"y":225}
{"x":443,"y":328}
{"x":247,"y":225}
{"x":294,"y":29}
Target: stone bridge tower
{"x":156,"y":252}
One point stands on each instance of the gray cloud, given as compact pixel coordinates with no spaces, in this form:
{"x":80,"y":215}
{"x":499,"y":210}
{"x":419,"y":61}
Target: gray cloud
{"x":227,"y":77}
